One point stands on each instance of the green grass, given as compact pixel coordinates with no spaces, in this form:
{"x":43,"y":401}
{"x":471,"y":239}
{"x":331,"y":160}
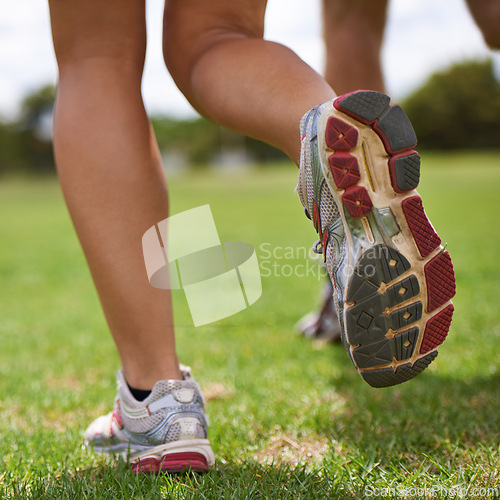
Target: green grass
{"x":289,"y":418}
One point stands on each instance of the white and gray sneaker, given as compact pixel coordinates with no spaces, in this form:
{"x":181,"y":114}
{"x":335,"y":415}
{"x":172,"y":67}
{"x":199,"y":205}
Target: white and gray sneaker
{"x":167,"y":432}
{"x":392,"y":279}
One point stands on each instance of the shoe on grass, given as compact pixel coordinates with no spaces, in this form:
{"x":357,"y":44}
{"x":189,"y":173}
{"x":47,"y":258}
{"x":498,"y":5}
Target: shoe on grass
{"x":323,"y":324}
{"x":392,"y":278}
{"x":167,"y":432}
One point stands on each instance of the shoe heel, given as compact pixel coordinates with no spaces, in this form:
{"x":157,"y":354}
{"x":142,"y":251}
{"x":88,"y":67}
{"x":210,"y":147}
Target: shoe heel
{"x":389,"y":122}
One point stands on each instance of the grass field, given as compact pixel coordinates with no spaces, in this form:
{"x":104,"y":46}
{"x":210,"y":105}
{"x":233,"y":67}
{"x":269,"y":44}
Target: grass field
{"x":289,"y":418}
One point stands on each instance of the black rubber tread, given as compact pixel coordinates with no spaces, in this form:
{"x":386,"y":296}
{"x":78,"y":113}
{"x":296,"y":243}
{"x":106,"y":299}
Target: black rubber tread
{"x":397,"y":128}
{"x":407,"y":170}
{"x":378,"y":264}
{"x":382,"y":352}
{"x":368,"y":104}
{"x":385,"y":377}
{"x":366,"y":321}
{"x":377,"y":353}
{"x":404,"y":344}
{"x":406,"y":316}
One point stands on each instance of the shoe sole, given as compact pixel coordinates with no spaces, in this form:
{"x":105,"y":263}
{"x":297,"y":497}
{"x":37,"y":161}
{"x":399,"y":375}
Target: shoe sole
{"x":397,"y":306}
{"x":178,"y":456}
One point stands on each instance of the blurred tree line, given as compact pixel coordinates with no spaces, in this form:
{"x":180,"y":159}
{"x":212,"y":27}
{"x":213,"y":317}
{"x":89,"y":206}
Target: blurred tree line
{"x":458,"y":108}
{"x":26,"y":141}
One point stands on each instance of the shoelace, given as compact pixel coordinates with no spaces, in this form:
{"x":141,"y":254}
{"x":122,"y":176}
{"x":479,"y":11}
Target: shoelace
{"x":317,"y":248}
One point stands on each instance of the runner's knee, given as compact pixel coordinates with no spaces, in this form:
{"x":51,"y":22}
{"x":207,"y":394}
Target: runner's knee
{"x":486,"y":13}
{"x":491,"y":35}
{"x":94,"y":33}
{"x":191,"y":29}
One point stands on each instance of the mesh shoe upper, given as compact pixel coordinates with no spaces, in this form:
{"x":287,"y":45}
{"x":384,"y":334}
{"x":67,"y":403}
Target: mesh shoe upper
{"x":174,"y":411}
{"x":318,"y":201}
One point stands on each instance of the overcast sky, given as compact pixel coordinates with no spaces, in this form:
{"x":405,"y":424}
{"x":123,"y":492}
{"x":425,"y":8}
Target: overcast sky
{"x":421,"y":36}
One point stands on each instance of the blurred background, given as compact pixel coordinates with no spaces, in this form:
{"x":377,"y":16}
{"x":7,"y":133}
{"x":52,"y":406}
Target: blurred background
{"x":273,"y":396}
{"x":431,"y":48}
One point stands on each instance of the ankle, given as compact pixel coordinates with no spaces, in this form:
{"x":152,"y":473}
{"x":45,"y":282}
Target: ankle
{"x":141,"y":378}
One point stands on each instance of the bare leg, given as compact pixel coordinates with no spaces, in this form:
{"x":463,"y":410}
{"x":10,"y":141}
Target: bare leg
{"x":353,"y":34}
{"x":216,"y":54}
{"x":231,"y":75}
{"x":486,"y":13}
{"x":110,"y":172}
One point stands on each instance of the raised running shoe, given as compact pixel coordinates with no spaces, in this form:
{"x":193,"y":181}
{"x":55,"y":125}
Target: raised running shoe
{"x":167,"y":432}
{"x":392,"y":278}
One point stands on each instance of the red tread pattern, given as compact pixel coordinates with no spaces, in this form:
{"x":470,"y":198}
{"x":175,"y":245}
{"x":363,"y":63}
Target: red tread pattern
{"x":436,"y":329}
{"x":423,"y":233}
{"x":357,"y":201}
{"x":345,"y":169}
{"x":173,"y":462}
{"x":339,"y":135}
{"x":440,"y":279}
